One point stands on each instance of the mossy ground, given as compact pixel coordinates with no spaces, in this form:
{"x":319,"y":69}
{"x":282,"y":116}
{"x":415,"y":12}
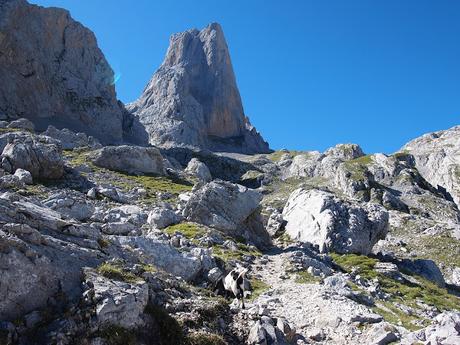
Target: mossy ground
{"x":358,"y":167}
{"x":116,"y":272}
{"x":226,"y":254}
{"x":126,"y":182}
{"x":258,"y":288}
{"x":303,"y":277}
{"x":408,"y":294}
{"x":191,"y":231}
{"x":276,"y":156}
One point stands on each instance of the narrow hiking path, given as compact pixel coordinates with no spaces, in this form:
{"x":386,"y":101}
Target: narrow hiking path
{"x":319,"y":313}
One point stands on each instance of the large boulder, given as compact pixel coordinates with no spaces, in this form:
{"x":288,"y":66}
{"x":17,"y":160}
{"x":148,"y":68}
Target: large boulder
{"x":43,"y":160}
{"x":130,"y":159}
{"x":228,"y":207}
{"x":35,"y":266}
{"x":161,"y":255}
{"x":199,"y":170}
{"x":70,"y":140}
{"x":320,"y":218}
{"x":193,"y":100}
{"x":54,"y":73}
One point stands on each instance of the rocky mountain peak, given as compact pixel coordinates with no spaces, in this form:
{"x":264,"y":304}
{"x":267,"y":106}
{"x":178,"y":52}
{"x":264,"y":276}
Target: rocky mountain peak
{"x":53,"y":72}
{"x":193,"y":98}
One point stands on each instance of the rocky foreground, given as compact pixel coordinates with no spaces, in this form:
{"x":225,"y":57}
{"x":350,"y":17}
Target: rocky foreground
{"x":117,"y":222}
{"x":123,"y":244}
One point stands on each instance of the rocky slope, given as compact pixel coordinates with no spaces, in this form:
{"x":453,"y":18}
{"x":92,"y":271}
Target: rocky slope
{"x":103,"y":245}
{"x":193,"y":99}
{"x":53,"y":72}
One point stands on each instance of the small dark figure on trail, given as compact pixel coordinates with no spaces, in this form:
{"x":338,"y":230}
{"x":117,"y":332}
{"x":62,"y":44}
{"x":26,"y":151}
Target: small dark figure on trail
{"x":234,"y":284}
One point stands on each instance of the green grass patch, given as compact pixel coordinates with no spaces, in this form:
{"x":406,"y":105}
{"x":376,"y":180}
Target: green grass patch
{"x":258,"y":288}
{"x":202,"y":338}
{"x":226,"y":254}
{"x":394,"y":315}
{"x":409,"y":294}
{"x":303,"y":277}
{"x":10,"y":130}
{"x":116,"y":272}
{"x":189,"y":230}
{"x":358,"y":167}
{"x":276,"y":156}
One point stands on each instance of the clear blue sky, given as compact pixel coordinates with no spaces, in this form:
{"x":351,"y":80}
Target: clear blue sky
{"x":311,"y":73}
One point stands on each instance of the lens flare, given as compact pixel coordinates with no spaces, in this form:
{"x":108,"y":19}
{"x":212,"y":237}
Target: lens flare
{"x":116,"y":78}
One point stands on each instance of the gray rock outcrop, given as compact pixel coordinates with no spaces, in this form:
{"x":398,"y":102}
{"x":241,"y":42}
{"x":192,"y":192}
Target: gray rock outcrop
{"x":130,"y":159}
{"x":199,"y":170}
{"x":53,"y":72}
{"x":322,"y":219}
{"x":437,"y":157}
{"x":192,"y":100}
{"x":70,"y":140}
{"x":228,"y":207}
{"x":43,"y":160}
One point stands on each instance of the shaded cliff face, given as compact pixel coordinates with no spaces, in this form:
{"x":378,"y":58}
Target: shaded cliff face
{"x":53,"y":72}
{"x":193,"y":100}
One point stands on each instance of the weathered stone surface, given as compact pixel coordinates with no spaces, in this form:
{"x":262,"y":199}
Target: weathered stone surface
{"x":444,"y":330}
{"x":118,"y":303}
{"x":199,"y":170}
{"x":72,"y":205}
{"x":322,"y":219}
{"x":41,"y":159}
{"x":162,"y":255}
{"x":437,"y":159}
{"x":162,"y":217}
{"x":68,"y":83}
{"x":22,"y":124}
{"x":130,"y":159}
{"x":24,"y":176}
{"x":70,"y":140}
{"x":229,"y":207}
{"x":34,"y":266}
{"x":193,"y":100}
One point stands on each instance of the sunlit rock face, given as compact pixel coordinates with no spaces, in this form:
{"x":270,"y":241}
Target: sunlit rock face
{"x":437,"y":156}
{"x":52,"y":72}
{"x":193,"y":99}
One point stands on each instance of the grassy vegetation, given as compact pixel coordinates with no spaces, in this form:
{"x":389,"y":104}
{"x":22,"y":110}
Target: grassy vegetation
{"x":191,"y":231}
{"x":9,"y":130}
{"x":258,"y":288}
{"x":202,"y":338}
{"x":116,"y":272}
{"x":408,"y":294}
{"x":126,"y":182}
{"x":441,"y":248}
{"x":303,"y":277}
{"x":226,"y":254}
{"x":276,"y":156}
{"x":358,"y":167}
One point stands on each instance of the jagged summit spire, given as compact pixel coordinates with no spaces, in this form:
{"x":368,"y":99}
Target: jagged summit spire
{"x":193,"y":99}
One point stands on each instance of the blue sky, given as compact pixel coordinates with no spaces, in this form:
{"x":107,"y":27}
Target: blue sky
{"x":311,"y":73}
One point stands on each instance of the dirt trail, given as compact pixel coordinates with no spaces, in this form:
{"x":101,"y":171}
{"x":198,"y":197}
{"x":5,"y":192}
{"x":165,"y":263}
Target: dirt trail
{"x":313,"y":309}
